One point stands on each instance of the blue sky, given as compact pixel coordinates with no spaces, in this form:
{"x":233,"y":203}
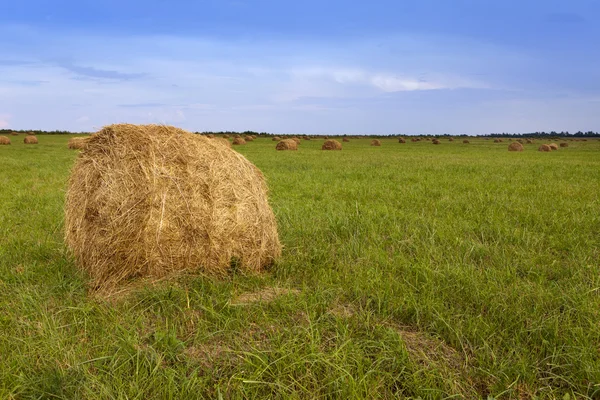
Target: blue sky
{"x":327,"y":66}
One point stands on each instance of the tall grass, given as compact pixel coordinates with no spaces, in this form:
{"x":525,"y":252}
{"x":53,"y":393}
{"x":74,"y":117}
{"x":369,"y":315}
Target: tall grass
{"x":418,"y":271}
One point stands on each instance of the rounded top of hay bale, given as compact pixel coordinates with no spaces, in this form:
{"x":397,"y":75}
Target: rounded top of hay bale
{"x":287,"y":144}
{"x":30,"y":139}
{"x":401,"y":140}
{"x":465,"y":141}
{"x":4,"y":140}
{"x":345,"y":140}
{"x":276,"y":138}
{"x":375,"y":142}
{"x":515,"y":146}
{"x":14,"y":133}
{"x":238,"y":141}
{"x":249,"y":138}
{"x":223,"y":141}
{"x":435,"y":141}
{"x":544,"y":147}
{"x":295,"y":139}
{"x":451,"y":140}
{"x":331,"y":144}
{"x":154,"y":200}
{"x":553,"y":146}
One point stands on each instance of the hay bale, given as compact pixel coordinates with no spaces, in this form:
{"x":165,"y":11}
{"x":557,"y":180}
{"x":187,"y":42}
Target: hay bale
{"x":529,"y":141}
{"x":295,"y":139}
{"x":331,"y":144}
{"x":496,"y":141}
{"x":276,"y":138}
{"x":14,"y":133}
{"x":30,"y":139}
{"x":375,"y":142}
{"x":154,"y":200}
{"x":210,"y":136}
{"x":515,"y":146}
{"x":236,"y":136}
{"x":414,"y":140}
{"x":553,"y":146}
{"x":345,"y":140}
{"x":287,"y":144}
{"x":238,"y":141}
{"x":545,"y":148}
{"x":451,"y":140}
{"x":306,"y":138}
{"x":223,"y":141}
{"x":435,"y":141}
{"x":466,"y":141}
{"x":4,"y":140}
{"x":401,"y":140}
{"x":564,"y":144}
{"x":225,"y":136}
{"x":249,"y":139}
{"x":77,"y":143}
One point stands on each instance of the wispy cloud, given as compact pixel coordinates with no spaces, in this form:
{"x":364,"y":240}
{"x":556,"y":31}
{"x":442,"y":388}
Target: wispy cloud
{"x":96,"y":73}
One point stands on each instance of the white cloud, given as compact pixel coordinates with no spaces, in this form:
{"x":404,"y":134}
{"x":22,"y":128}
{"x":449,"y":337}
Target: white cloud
{"x":4,"y":121}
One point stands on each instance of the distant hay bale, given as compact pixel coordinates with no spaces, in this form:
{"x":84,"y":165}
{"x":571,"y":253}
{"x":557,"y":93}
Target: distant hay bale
{"x":238,"y":141}
{"x":210,"y":136}
{"x":153,"y":201}
{"x":529,"y":141}
{"x":515,"y":146}
{"x":414,"y":140}
{"x":545,"y":148}
{"x":77,"y":143}
{"x":236,"y":136}
{"x":401,"y":140}
{"x":14,"y":133}
{"x":520,"y":140}
{"x":276,"y":138}
{"x":331,"y":144}
{"x":4,"y":140}
{"x":553,"y":146}
{"x":435,"y":141}
{"x":225,"y":136}
{"x":451,"y":140}
{"x":249,"y":138}
{"x":287,"y":144}
{"x":306,"y":138}
{"x":564,"y":144}
{"x":30,"y":139}
{"x":345,"y":140}
{"x":466,"y":141}
{"x":325,"y":137}
{"x":375,"y":142}
{"x":496,"y":140}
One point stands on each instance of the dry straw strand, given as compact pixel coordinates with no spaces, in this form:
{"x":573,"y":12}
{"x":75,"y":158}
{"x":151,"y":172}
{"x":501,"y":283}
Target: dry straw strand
{"x":153,"y":200}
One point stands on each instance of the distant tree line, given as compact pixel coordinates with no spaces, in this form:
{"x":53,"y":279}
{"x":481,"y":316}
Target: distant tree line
{"x":253,"y":133}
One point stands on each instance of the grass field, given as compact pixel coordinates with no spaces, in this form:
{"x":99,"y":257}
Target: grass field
{"x":409,"y":270}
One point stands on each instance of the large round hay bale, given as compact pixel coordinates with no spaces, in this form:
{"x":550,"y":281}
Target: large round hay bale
{"x":345,"y":140}
{"x":331,"y":144}
{"x":238,"y":141}
{"x":4,"y":140}
{"x":544,"y":147}
{"x":77,"y":143}
{"x":564,"y":144}
{"x":222,"y":141}
{"x":30,"y":139}
{"x":401,"y":140}
{"x":276,"y":138}
{"x":287,"y":144}
{"x":466,"y":141}
{"x":154,"y":200}
{"x":515,"y":146}
{"x":435,"y":141}
{"x":553,"y":146}
{"x":375,"y":142}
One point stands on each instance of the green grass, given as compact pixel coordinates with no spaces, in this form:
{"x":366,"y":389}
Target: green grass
{"x":417,"y":271}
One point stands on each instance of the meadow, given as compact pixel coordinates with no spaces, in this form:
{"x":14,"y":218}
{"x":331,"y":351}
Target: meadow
{"x":408,"y":271}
